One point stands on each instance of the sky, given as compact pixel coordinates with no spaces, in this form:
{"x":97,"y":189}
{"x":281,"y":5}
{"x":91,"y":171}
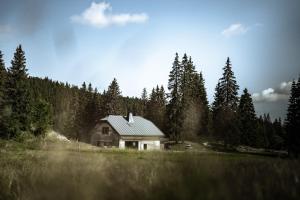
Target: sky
{"x":135,"y":41}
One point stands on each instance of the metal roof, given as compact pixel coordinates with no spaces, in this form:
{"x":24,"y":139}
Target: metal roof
{"x":140,"y":126}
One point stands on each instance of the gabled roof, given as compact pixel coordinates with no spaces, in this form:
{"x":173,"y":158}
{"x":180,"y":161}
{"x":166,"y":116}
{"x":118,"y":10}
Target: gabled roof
{"x":140,"y":126}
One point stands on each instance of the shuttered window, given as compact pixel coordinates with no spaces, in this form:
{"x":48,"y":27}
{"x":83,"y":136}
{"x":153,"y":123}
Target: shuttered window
{"x":105,"y":130}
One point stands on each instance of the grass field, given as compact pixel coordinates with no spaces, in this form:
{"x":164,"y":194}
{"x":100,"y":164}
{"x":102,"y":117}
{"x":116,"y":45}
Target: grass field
{"x":39,"y":169}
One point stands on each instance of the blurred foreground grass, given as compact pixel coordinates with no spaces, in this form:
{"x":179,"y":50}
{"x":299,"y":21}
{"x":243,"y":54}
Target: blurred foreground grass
{"x":45,"y":169}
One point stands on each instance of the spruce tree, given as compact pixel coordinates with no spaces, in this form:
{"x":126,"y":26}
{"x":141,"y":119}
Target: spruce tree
{"x":293,"y":120}
{"x":3,"y":77}
{"x":3,"y":74}
{"x":199,"y":96}
{"x":144,"y":98}
{"x":81,"y":115}
{"x":229,"y":87}
{"x":151,"y":109}
{"x":17,"y":99}
{"x":156,"y":107}
{"x":218,"y":112}
{"x":41,"y":117}
{"x":193,"y":109}
{"x":247,"y":118}
{"x":161,"y":108}
{"x":225,"y":107}
{"x":113,"y":99}
{"x":202,"y":90}
{"x":174,"y":107}
{"x":279,"y":135}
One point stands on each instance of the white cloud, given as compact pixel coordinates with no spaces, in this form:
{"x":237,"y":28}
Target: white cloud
{"x":235,"y":29}
{"x":239,"y":29}
{"x":271,"y":95}
{"x":99,"y":15}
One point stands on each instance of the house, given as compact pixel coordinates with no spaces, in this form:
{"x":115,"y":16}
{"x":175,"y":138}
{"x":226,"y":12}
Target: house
{"x":127,"y":132}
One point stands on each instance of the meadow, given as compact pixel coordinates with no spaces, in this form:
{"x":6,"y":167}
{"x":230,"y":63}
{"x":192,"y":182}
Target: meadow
{"x":45,"y":169}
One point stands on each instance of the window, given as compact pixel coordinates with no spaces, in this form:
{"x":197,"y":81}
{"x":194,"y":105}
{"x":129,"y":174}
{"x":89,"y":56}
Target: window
{"x":105,"y":130}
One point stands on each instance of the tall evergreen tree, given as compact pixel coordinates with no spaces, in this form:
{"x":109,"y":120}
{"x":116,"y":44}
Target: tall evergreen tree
{"x":229,"y":87}
{"x":18,"y":102}
{"x":113,"y":99}
{"x":293,"y":120}
{"x":3,"y":77}
{"x":218,"y":112}
{"x":202,"y":90}
{"x":192,"y":105}
{"x":81,"y":114}
{"x":3,"y":74}
{"x":187,"y":81}
{"x":144,"y":98}
{"x":225,"y":107}
{"x":156,"y":107}
{"x":247,"y":118}
{"x":200,"y":98}
{"x":279,"y":138}
{"x":175,"y":118}
{"x":41,"y":117}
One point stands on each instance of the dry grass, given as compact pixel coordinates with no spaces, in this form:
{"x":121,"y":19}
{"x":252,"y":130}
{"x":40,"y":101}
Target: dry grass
{"x":53,"y":170}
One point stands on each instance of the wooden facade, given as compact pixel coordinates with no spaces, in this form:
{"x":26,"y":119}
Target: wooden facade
{"x":100,"y":136}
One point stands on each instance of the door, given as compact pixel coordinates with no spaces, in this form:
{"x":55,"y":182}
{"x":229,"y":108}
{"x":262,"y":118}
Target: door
{"x":145,"y":146}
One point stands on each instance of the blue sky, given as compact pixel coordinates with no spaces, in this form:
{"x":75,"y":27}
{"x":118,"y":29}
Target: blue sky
{"x":135,"y":41}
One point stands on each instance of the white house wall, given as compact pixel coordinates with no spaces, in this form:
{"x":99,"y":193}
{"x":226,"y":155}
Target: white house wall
{"x":122,"y":144}
{"x":151,"y":144}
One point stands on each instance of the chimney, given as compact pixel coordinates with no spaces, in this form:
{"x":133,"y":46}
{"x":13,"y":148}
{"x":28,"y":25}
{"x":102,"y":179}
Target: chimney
{"x":130,"y":119}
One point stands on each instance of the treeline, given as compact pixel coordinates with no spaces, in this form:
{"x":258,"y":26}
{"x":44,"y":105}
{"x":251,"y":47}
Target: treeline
{"x":230,"y":119}
{"x":30,"y":104}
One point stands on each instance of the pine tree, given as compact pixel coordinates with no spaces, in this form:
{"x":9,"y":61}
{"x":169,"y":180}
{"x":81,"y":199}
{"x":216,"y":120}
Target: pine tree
{"x":152,"y":106}
{"x":3,"y":77}
{"x":18,"y":102}
{"x":187,"y":80}
{"x":144,"y":95}
{"x":91,"y":112}
{"x":174,"y":107}
{"x":218,"y":112}
{"x":200,"y":98}
{"x":278,"y":141}
{"x":70,"y":126}
{"x":194,"y":110}
{"x":293,"y":120}
{"x":81,"y":115}
{"x":202,"y":90}
{"x":247,"y":118}
{"x":229,"y":87}
{"x":3,"y":74}
{"x":225,"y":107}
{"x":144,"y":98}
{"x":261,"y":133}
{"x":113,"y":99}
{"x":269,"y":131}
{"x":156,"y":107}
{"x":41,"y":117}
